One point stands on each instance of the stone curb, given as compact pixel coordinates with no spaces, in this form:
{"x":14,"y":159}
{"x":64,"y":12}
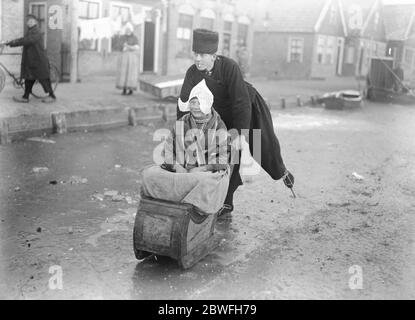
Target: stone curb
{"x":24,"y":126}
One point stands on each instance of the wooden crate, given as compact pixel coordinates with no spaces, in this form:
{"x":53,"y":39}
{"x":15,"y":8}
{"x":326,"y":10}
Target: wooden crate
{"x":173,"y":230}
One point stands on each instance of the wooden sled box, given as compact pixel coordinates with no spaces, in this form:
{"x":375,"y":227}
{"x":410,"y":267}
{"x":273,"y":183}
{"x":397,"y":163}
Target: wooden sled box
{"x":173,"y":230}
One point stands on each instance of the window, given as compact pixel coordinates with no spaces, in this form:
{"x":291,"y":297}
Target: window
{"x":184,"y":33}
{"x":242,"y":34}
{"x":89,"y":10}
{"x":296,"y":50}
{"x":207,"y":19}
{"x":39,"y":11}
{"x":381,"y":49}
{"x":227,"y":26}
{"x":326,"y":49}
{"x":350,"y":54}
{"x":207,"y":23}
{"x":330,"y":50}
{"x":226,"y":50}
{"x":376,"y":20}
{"x":227,"y":36}
{"x":408,"y":56}
{"x":321,"y":44}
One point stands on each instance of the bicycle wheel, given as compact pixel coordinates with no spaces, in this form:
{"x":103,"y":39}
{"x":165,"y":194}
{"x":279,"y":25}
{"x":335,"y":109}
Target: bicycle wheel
{"x":38,"y":91}
{"x":2,"y":79}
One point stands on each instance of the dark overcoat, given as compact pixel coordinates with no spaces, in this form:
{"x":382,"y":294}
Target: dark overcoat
{"x":35,"y":63}
{"x":241,"y":107}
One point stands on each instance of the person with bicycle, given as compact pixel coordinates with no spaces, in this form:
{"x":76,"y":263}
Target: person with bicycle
{"x":35,"y":63}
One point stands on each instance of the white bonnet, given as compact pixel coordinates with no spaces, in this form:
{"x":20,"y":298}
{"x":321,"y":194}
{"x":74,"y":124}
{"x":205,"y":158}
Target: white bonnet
{"x":203,"y":94}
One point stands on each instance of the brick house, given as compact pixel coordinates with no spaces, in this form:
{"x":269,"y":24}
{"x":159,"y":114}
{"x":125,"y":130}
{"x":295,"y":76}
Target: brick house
{"x":233,"y":23}
{"x":299,"y":39}
{"x":11,"y":27}
{"x":164,"y":29}
{"x":100,"y":55}
{"x":400,"y":33}
{"x":366,"y":35}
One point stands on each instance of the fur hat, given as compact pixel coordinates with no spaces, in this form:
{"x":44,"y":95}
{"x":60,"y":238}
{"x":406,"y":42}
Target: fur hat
{"x":205,"y":41}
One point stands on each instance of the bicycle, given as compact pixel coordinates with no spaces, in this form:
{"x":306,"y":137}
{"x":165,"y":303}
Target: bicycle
{"x":18,"y":82}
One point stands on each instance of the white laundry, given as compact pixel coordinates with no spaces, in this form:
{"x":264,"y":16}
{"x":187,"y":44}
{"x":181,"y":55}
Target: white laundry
{"x":95,"y":29}
{"x":87,"y":30}
{"x":116,"y":25}
{"x":103,"y":28}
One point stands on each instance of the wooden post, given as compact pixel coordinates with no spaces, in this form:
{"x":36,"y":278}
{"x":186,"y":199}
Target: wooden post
{"x":132,"y":121}
{"x":74,"y":40}
{"x":59,"y":123}
{"x":4,"y":132}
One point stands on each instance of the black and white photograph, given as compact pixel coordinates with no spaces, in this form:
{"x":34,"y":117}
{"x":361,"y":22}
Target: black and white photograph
{"x":220,"y":151}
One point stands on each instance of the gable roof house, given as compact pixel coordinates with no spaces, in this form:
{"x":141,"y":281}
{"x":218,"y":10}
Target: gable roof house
{"x":298,"y":39}
{"x":366,"y":35}
{"x":400,"y":35}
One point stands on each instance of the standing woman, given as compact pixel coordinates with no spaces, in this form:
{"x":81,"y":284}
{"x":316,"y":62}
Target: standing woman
{"x":127,"y":78}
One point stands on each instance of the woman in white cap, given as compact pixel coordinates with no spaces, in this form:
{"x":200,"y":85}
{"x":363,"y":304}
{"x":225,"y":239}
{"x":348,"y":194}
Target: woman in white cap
{"x":127,"y":78}
{"x":196,"y":169}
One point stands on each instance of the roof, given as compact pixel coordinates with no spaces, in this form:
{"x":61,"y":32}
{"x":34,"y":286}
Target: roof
{"x":349,"y":9}
{"x":292,"y":15}
{"x":398,"y":19}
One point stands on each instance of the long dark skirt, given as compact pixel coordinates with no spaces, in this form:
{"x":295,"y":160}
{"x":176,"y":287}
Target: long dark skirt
{"x":270,"y":156}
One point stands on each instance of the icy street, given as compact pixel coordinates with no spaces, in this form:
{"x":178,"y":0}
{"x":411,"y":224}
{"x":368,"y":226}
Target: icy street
{"x":69,"y":202}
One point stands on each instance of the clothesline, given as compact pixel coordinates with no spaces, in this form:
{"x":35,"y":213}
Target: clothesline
{"x":96,"y":29}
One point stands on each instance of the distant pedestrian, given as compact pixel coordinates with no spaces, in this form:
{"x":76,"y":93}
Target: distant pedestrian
{"x":127,"y":78}
{"x":35,"y":63}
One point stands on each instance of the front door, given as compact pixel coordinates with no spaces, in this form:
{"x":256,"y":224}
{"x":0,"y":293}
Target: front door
{"x":149,"y":46}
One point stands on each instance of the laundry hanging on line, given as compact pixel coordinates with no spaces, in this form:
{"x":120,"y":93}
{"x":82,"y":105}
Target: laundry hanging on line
{"x":96,"y":29}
